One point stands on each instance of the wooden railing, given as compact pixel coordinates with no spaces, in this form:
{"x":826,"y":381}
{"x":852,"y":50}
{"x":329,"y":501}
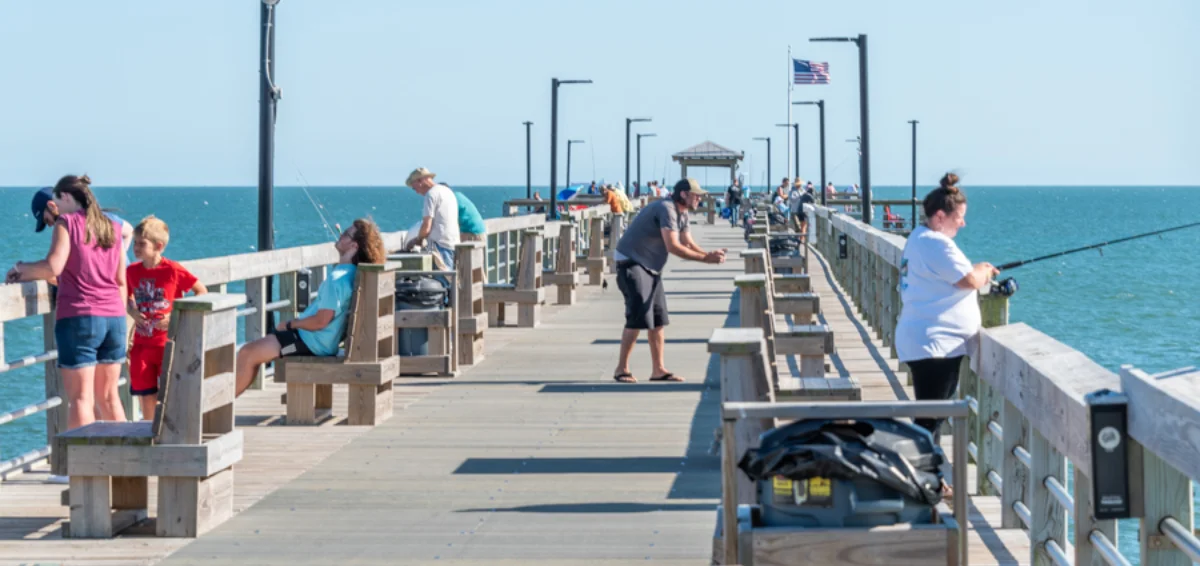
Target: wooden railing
{"x":1030,"y":417}
{"x":255,"y":270}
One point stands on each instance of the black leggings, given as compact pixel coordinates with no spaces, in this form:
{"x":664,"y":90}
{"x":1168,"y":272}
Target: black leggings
{"x":934,"y":379}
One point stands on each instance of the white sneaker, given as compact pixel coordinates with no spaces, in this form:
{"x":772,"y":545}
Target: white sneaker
{"x":58,"y":479}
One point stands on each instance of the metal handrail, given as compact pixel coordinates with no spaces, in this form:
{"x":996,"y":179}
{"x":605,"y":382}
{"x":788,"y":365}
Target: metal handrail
{"x":1181,"y":537}
{"x":27,"y":410}
{"x":1023,"y":456}
{"x":973,"y":451}
{"x":1056,"y":554}
{"x":25,"y":459}
{"x":1108,"y":551}
{"x":1059,"y":491}
{"x":996,"y":430}
{"x":996,"y":480}
{"x":29,"y":360}
{"x":1023,"y":513}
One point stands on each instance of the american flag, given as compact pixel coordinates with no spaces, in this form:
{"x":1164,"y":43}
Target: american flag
{"x":810,"y":73}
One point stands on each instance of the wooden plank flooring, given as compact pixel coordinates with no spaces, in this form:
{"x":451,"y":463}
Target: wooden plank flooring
{"x":534,"y":456}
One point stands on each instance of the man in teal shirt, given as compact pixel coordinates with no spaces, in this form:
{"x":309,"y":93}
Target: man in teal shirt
{"x":470,"y":222}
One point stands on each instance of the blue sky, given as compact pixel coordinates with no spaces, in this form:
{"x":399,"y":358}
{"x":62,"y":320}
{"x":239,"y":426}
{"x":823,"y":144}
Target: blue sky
{"x":165,"y":93}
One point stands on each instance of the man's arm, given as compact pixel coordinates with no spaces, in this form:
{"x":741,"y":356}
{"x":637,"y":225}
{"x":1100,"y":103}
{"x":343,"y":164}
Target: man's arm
{"x":426,"y":228}
{"x":675,"y":247}
{"x":311,"y":323}
{"x":685,"y":238}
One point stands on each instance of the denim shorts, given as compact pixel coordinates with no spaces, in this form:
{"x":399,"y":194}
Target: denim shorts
{"x":84,"y":341}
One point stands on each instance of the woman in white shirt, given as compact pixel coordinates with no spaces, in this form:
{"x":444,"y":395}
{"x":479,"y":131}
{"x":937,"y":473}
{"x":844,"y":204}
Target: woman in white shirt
{"x":938,"y":288}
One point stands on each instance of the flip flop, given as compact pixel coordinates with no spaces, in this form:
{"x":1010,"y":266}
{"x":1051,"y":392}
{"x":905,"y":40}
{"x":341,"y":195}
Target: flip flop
{"x":625,"y":377}
{"x":667,"y":377}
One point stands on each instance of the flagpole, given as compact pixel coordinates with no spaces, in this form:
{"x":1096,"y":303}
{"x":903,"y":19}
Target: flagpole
{"x":787,"y":170}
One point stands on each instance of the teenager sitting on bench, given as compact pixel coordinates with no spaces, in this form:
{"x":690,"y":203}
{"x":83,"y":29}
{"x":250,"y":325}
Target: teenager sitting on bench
{"x":320,"y":328}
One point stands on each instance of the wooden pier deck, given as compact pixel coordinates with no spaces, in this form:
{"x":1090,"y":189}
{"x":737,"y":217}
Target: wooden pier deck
{"x":534,"y":456}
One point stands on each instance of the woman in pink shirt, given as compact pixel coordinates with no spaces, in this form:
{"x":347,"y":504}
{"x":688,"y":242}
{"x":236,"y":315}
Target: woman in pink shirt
{"x":89,"y":328}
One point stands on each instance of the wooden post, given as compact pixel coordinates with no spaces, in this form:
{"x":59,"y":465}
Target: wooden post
{"x":257,"y":322}
{"x":1168,"y":493}
{"x":596,"y":252}
{"x":994,"y":312}
{"x":1085,"y":553}
{"x":472,"y":320}
{"x":374,"y":340}
{"x":529,"y":278}
{"x":743,"y":379}
{"x":204,"y":344}
{"x":617,"y":230}
{"x":56,"y":417}
{"x":1015,"y":476}
{"x":1047,"y":517}
{"x":565,"y":269}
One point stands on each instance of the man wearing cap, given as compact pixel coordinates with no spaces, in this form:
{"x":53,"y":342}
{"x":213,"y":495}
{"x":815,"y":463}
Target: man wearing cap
{"x":658,"y":231}
{"x":439,"y":222}
{"x":46,"y":212}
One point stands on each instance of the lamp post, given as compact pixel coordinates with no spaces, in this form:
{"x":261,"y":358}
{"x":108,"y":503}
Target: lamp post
{"x":554,"y":83}
{"x":639,"y":158}
{"x":268,"y":99}
{"x":914,"y":173}
{"x":629,"y":122}
{"x":864,"y":119}
{"x":796,"y":144}
{"x":528,"y":161}
{"x":768,"y":140}
{"x":569,"y":144}
{"x":820,"y":106}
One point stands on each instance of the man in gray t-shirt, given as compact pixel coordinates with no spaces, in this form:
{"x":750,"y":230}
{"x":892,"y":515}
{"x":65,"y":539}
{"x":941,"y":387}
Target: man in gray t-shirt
{"x":659,"y":230}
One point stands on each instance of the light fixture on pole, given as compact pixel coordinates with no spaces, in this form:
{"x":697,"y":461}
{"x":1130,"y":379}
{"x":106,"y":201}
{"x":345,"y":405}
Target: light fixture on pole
{"x":629,"y":122}
{"x":639,"y":158}
{"x":795,"y":126}
{"x":554,"y":84}
{"x":768,"y":140}
{"x":864,"y":119}
{"x":820,"y":104}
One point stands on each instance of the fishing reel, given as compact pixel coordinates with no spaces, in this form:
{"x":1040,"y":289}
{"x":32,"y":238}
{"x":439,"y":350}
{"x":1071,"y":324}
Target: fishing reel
{"x":1005,"y":287}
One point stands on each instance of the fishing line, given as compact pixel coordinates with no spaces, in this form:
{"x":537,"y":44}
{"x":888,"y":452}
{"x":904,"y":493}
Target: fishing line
{"x":319,"y":207}
{"x":1016,"y":264}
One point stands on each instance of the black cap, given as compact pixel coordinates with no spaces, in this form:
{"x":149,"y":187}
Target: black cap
{"x":41,"y":199}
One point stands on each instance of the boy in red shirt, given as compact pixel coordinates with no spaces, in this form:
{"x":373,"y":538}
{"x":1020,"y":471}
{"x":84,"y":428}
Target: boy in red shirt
{"x":154,"y":284}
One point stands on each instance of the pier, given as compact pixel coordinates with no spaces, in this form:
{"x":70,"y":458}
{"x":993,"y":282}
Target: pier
{"x":531,"y":454}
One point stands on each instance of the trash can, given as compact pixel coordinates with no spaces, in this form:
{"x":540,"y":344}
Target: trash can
{"x":860,"y":473}
{"x":417,"y":294}
{"x":785,"y":247}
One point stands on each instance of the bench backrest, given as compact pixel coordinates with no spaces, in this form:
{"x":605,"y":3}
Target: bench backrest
{"x":371,"y":320}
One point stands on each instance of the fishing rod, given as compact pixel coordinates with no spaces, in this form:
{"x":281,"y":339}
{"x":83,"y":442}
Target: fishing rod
{"x":1009,"y":287}
{"x":1016,"y":264}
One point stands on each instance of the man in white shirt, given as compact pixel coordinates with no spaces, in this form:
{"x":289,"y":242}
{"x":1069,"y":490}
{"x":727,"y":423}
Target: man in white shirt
{"x":439,"y":222}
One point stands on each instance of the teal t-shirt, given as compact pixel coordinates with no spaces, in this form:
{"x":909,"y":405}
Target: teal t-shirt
{"x":469,"y":219}
{"x":334,"y":295}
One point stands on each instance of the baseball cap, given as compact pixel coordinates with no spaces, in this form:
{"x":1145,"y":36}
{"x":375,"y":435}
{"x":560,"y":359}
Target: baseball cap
{"x":41,"y":199}
{"x":689,"y":186}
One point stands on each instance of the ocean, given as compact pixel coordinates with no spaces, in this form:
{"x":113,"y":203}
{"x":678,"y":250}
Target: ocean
{"x":1135,"y":303}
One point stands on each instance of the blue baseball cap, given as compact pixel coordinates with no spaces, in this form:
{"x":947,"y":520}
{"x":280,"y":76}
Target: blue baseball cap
{"x":41,"y":199}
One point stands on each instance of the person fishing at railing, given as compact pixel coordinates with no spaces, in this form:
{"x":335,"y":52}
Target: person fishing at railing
{"x":439,"y":218}
{"x":320,"y":328}
{"x":89,"y":328}
{"x":46,"y":212}
{"x":938,"y":288}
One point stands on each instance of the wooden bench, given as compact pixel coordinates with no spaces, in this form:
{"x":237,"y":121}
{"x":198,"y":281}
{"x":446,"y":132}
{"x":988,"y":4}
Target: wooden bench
{"x":191,"y":446}
{"x":367,"y":366}
{"x":472,"y":314}
{"x":565,"y":275}
{"x":782,"y":264}
{"x":803,"y":306}
{"x":440,"y":326}
{"x":811,"y":343}
{"x":527,"y":293}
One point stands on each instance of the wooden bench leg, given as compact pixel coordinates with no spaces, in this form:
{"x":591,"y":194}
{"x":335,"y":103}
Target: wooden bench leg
{"x":324,"y":398}
{"x":812,"y":365}
{"x":369,"y":404}
{"x":496,"y":315}
{"x":566,"y":294}
{"x":301,"y":404}
{"x":470,"y":349}
{"x":188,"y":507}
{"x":527,"y":315}
{"x":91,"y":515}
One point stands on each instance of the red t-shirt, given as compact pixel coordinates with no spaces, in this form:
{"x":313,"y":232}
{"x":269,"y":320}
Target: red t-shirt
{"x":154,"y":291}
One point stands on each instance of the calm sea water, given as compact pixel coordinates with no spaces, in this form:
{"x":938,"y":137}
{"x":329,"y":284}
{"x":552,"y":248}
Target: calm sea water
{"x":1134,"y":304}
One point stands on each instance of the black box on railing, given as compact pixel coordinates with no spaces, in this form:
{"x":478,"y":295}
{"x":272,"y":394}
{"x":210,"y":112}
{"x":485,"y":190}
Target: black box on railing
{"x":843,"y":252}
{"x":303,"y":289}
{"x":1107,"y":411}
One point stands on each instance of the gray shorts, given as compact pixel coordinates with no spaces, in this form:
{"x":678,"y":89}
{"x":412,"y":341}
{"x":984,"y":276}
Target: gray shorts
{"x":645,"y":301}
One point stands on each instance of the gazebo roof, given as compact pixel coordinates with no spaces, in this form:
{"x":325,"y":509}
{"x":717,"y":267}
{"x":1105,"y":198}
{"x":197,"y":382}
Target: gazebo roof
{"x":708,"y":151}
